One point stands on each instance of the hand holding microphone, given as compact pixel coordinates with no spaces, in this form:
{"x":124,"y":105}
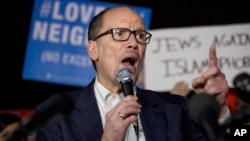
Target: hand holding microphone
{"x":125,"y":77}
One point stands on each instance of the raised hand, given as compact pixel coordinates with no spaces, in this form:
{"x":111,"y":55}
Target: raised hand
{"x":212,"y":81}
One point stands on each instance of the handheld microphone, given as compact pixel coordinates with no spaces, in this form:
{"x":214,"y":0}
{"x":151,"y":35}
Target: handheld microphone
{"x":125,"y":77}
{"x":205,"y":110}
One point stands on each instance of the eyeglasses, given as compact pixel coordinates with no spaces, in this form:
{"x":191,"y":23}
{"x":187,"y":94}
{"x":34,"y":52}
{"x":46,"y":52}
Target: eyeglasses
{"x":123,"y":34}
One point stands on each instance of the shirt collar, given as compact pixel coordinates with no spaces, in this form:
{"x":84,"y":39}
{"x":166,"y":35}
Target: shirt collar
{"x":102,"y":93}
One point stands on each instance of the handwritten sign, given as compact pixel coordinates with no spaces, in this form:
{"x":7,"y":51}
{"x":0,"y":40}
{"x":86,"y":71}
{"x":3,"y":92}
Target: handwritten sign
{"x":179,"y":54}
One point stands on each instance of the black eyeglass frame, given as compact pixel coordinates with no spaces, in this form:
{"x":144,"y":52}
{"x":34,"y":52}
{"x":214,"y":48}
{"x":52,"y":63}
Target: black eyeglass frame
{"x":112,"y":31}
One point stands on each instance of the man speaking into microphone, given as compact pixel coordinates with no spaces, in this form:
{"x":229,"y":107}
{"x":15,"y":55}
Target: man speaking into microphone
{"x":110,"y":109}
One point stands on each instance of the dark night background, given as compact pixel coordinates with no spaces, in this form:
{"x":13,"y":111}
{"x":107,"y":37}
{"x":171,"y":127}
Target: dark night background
{"x":16,"y":16}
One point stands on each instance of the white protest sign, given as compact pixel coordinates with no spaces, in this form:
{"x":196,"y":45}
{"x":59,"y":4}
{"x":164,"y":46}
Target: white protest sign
{"x":178,"y":54}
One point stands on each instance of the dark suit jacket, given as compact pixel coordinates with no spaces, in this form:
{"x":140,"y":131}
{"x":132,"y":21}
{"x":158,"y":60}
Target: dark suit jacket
{"x":164,"y":117}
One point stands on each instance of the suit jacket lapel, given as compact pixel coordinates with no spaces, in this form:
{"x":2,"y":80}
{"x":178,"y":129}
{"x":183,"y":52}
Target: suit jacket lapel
{"x":87,"y":117}
{"x":153,"y":119}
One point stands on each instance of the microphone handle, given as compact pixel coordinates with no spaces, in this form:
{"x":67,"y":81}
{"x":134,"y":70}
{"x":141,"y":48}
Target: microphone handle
{"x":127,"y":88}
{"x":208,"y":130}
{"x":136,"y":127}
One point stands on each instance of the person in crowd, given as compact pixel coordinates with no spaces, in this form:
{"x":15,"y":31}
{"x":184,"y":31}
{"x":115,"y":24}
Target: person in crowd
{"x":182,"y":88}
{"x":11,"y":128}
{"x":117,"y":39}
{"x":232,"y":101}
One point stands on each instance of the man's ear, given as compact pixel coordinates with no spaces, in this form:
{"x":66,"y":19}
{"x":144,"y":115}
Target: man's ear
{"x":92,"y":50}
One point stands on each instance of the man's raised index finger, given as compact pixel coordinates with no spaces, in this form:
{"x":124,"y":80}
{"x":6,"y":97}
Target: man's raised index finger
{"x":212,"y":55}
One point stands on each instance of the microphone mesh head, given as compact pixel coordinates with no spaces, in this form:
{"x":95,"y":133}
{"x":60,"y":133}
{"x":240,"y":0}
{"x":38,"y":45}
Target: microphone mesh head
{"x":124,"y":74}
{"x":204,"y":107}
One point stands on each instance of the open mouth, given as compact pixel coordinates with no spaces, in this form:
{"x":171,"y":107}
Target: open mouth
{"x":130,"y":61}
